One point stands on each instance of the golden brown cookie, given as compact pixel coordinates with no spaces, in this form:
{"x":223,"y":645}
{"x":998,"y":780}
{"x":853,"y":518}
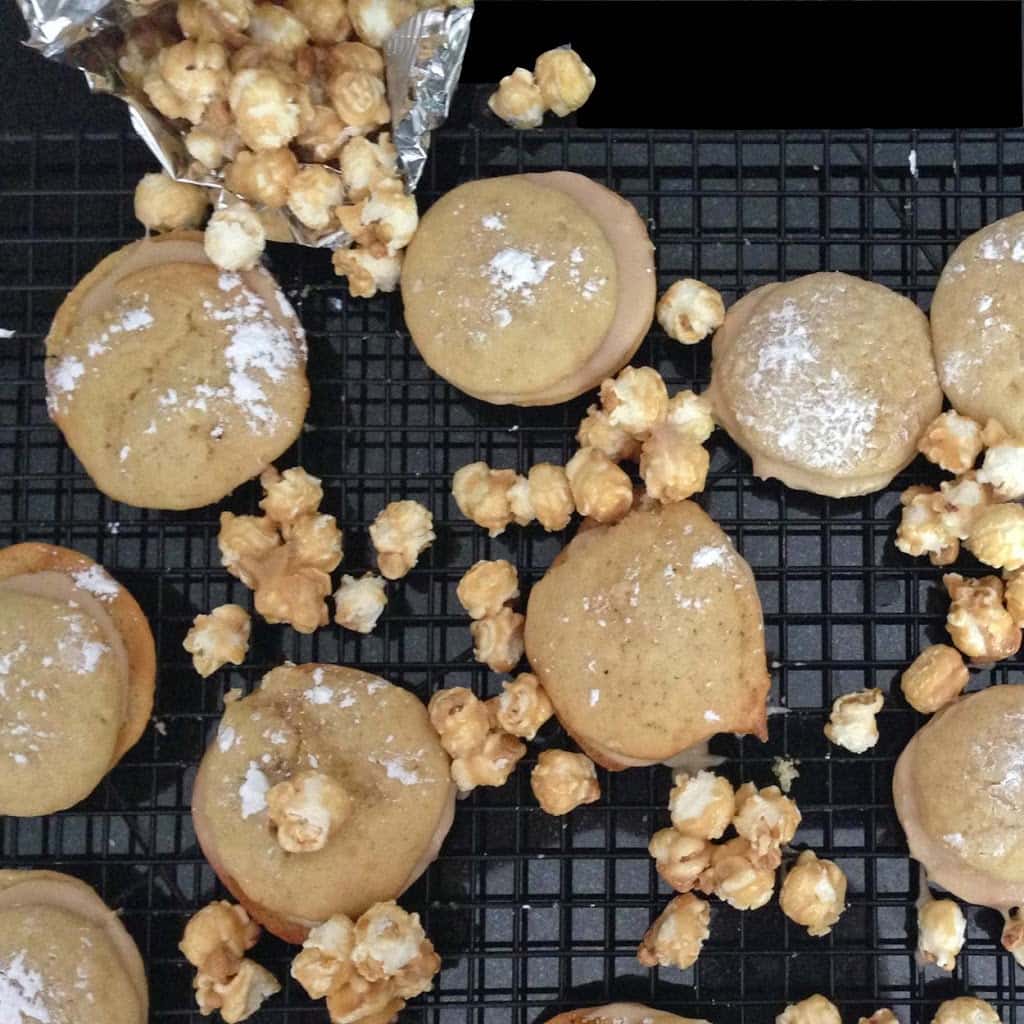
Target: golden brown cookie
{"x":77,"y":672}
{"x":372,"y":739}
{"x":172,"y":381}
{"x":959,"y":792}
{"x":977,"y":319}
{"x":621,"y":1013}
{"x":64,"y":956}
{"x":529,"y":289}
{"x":648,"y":637}
{"x":827,"y":382}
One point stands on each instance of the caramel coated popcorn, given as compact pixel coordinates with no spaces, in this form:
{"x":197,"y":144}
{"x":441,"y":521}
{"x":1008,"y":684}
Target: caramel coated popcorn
{"x":293,"y":593}
{"x":325,"y":962}
{"x":1013,"y":595}
{"x":518,"y":100}
{"x":941,"y":928}
{"x":359,"y":603}
{"x":935,"y":678}
{"x":597,"y":431}
{"x":965,"y":1010}
{"x":489,"y":765}
{"x":402,"y":531}
{"x":738,"y":876}
{"x":550,"y":496}
{"x":290,"y":495}
{"x":163,"y":204}
{"x":217,"y":937}
{"x":702,"y":805}
{"x":245,"y":542}
{"x":306,"y":809}
{"x":672,"y":465}
{"x":364,"y":164}
{"x":963,"y":500}
{"x":487,"y":587}
{"x":562,"y":781}
{"x":218,"y":638}
{"x":600,"y":489}
{"x":1012,"y":938}
{"x":316,"y":541}
{"x":680,"y":860}
{"x":997,"y":536}
{"x":676,"y":936}
{"x":690,"y":310}
{"x":314,"y":193}
{"x":814,"y":893}
{"x":922,"y":529}
{"x":767,"y":820}
{"x":691,"y":413}
{"x":852,"y":723}
{"x":481,"y":494}
{"x":1003,"y":468}
{"x":262,"y":177}
{"x":522,"y":707}
{"x":460,"y":719}
{"x":882,"y":1016}
{"x":375,"y":20}
{"x":564,"y":81}
{"x":367,"y":272}
{"x":498,"y":640}
{"x":636,"y":400}
{"x":234,"y":238}
{"x":814,"y":1009}
{"x":978,"y":622}
{"x":952,"y":442}
{"x":239,"y":997}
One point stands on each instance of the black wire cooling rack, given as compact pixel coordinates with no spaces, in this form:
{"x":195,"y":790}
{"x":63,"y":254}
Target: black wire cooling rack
{"x":532,"y":914}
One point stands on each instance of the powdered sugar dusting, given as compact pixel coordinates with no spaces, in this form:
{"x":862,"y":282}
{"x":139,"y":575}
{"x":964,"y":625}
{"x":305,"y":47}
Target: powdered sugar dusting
{"x":709,"y":555}
{"x":493,"y":222}
{"x":253,"y":791}
{"x":97,"y":581}
{"x":226,"y":737}
{"x":517,"y":271}
{"x":21,"y":993}
{"x":398,"y":767}
{"x":318,"y":694}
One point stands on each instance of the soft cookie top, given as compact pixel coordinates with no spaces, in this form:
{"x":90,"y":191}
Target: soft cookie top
{"x":648,"y":637}
{"x":977,"y":319}
{"x":827,"y":382}
{"x":368,"y":737}
{"x":528,"y":289}
{"x":172,"y":381}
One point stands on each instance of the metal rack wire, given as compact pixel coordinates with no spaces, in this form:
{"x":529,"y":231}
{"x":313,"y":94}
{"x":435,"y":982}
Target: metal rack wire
{"x":532,"y":914}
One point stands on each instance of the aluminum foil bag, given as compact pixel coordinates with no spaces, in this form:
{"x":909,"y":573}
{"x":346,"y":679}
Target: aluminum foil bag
{"x":423,"y":58}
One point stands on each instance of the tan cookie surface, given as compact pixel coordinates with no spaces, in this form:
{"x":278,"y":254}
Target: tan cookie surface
{"x":65,"y":958}
{"x":648,"y":637}
{"x":174,"y":382}
{"x":959,"y":791}
{"x":77,"y":674}
{"x":827,"y":382}
{"x":621,"y":1013}
{"x":977,"y":320}
{"x":528,"y":289}
{"x":371,"y":737}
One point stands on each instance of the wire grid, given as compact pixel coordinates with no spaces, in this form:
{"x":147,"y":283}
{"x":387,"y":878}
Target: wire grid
{"x":531,"y":914}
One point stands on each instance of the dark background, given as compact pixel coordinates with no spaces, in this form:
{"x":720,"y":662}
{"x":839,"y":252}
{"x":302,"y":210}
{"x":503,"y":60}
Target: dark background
{"x":691,"y":64}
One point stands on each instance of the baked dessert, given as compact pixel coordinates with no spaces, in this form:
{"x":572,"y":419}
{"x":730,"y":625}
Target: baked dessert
{"x":960,"y":798}
{"x":827,"y":382}
{"x":77,"y":670}
{"x":529,"y":289}
{"x":648,"y":638}
{"x":977,"y":320}
{"x":621,"y":1013}
{"x":324,"y":792}
{"x":64,"y":956}
{"x":172,"y":381}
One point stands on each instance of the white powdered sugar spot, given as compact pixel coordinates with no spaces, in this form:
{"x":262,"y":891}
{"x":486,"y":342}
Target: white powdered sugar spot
{"x":517,"y":272}
{"x":994,"y":248}
{"x":502,"y":317}
{"x":133,"y":320}
{"x":912,"y":161}
{"x":21,"y":993}
{"x":710,"y":716}
{"x":397,"y":767}
{"x":253,"y":791}
{"x":576,"y":256}
{"x":227,"y":281}
{"x":62,"y":379}
{"x":595,"y":697}
{"x":78,"y":654}
{"x":954,"y":839}
{"x":124,"y":453}
{"x":1017,"y":252}
{"x":169,"y":397}
{"x":959,"y":368}
{"x":984,"y":303}
{"x":6,"y":332}
{"x":97,"y":581}
{"x":318,"y":694}
{"x":278,"y":738}
{"x":226,"y":737}
{"x":593,"y":286}
{"x":709,"y":555}
{"x":493,"y":222}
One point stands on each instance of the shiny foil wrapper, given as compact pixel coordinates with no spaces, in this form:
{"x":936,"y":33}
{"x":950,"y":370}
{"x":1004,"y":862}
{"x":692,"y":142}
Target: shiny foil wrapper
{"x":423,"y":59}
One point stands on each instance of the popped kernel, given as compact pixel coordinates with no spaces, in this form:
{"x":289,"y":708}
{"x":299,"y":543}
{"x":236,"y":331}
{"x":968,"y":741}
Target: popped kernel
{"x":306,"y":809}
{"x":680,"y":860}
{"x":233,"y":13}
{"x":290,"y":496}
{"x":169,"y":102}
{"x":460,"y":720}
{"x":522,"y":707}
{"x":375,"y":20}
{"x":359,"y":603}
{"x":323,"y":135}
{"x":814,"y":1009}
{"x":600,"y":489}
{"x":922,"y":530}
{"x":814,"y":893}
{"x":562,"y":781}
{"x":564,"y":81}
{"x":364,"y":164}
{"x":313,"y":195}
{"x":702,"y":805}
{"x":326,"y":21}
{"x":489,"y":765}
{"x":963,"y":500}
{"x":952,"y":442}
{"x":882,"y":1016}
{"x":978,"y":622}
{"x":390,"y":214}
{"x":487,"y":587}
{"x":737,"y":876}
{"x":325,"y":962}
{"x":277,"y":31}
{"x":636,"y":400}
{"x":519,"y":503}
{"x":269,"y":111}
{"x":214,"y":139}
{"x":316,"y":541}
{"x":217,"y":937}
{"x":1013,"y":595}
{"x":498,"y":640}
{"x":677,"y":934}
{"x":354,"y":56}
{"x":262,"y":177}
{"x":690,"y":310}
{"x":596,"y":431}
{"x":359,"y":98}
{"x":234,"y":238}
{"x":941,"y":927}
{"x":965,"y":1010}
{"x":238,"y":998}
{"x":481,"y":494}
{"x":402,"y":531}
{"x":163,"y":204}
{"x":294,"y":594}
{"x":197,"y":70}
{"x":218,"y":638}
{"x":550,"y":496}
{"x":518,"y":100}
{"x":997,"y":537}
{"x":935,"y":678}
{"x":672,"y":465}
{"x":767,"y":820}
{"x":691,"y":413}
{"x":387,"y":940}
{"x":1012,"y":938}
{"x":367,"y":272}
{"x":852,"y":724}
{"x":1003,"y":468}
{"x":245,"y":542}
